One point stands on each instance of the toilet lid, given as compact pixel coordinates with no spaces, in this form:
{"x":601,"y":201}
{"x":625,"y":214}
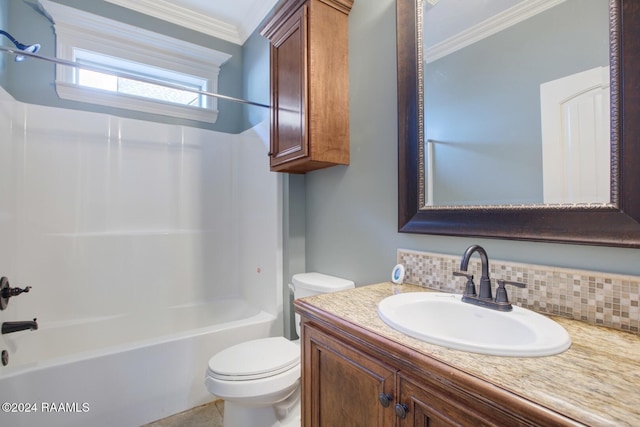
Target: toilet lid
{"x":255,"y":359}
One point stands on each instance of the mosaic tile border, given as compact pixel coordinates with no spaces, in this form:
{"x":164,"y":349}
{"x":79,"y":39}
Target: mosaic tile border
{"x":602,"y":299}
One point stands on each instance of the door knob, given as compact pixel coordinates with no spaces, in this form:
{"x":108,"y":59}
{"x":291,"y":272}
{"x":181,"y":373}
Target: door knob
{"x":401,"y":410}
{"x":385,"y":399}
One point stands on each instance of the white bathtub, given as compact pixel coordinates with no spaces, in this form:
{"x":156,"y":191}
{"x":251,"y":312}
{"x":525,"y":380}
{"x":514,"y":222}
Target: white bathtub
{"x":120,"y":370}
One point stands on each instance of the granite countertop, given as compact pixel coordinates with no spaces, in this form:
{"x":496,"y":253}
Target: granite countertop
{"x":595,"y":382}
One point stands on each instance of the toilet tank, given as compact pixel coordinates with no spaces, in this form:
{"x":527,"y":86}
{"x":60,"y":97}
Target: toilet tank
{"x":308,"y":284}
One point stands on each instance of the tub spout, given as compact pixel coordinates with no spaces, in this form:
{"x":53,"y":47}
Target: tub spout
{"x":9,"y":327}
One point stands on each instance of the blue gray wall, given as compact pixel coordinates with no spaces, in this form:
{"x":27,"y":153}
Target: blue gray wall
{"x":255,"y":78}
{"x":351,"y":211}
{"x":33,"y":82}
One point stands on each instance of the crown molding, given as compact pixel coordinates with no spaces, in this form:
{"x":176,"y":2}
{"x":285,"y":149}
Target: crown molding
{"x":99,"y":34}
{"x":184,"y":17}
{"x":488,"y":27}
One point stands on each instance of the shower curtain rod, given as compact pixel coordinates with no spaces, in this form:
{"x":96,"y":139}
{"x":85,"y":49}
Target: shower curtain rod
{"x":67,"y":63}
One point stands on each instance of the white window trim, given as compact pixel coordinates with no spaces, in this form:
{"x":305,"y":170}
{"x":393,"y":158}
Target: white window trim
{"x":76,"y":29}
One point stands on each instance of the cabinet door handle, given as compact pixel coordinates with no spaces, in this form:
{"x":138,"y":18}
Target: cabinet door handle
{"x":385,"y":399}
{"x":401,"y":410}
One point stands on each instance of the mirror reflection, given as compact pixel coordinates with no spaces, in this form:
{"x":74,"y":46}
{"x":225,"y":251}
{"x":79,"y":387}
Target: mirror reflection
{"x":516,"y":102}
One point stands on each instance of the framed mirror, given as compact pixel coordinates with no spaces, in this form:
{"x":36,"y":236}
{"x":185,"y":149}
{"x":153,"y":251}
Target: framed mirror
{"x":610,"y":220}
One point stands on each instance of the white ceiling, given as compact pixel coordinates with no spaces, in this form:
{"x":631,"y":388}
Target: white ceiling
{"x":230,"y":20}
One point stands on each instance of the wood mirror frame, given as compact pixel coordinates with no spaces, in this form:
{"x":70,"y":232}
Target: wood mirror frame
{"x":617,"y":224}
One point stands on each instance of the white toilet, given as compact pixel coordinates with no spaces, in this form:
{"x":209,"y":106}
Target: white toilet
{"x":259,"y":380}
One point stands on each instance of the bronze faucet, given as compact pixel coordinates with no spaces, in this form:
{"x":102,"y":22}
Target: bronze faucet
{"x":485,"y":298}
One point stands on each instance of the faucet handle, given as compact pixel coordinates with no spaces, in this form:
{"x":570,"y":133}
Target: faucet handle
{"x":470,"y":287}
{"x":6,"y":292}
{"x":501,"y":292}
{"x":516,"y":284}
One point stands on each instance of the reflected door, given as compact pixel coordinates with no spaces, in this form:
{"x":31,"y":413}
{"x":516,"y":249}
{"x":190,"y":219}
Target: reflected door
{"x":576,"y":138}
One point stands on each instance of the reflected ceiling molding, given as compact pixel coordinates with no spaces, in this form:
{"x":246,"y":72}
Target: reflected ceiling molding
{"x":488,"y":27}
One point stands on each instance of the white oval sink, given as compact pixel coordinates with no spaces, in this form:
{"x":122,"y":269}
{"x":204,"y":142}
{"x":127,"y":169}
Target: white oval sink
{"x":443,"y":319}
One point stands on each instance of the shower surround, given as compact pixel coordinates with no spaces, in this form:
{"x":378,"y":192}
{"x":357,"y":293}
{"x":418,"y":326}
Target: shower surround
{"x":113,"y":221}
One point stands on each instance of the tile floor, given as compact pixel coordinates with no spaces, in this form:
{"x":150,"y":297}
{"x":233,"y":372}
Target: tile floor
{"x":208,"y":415}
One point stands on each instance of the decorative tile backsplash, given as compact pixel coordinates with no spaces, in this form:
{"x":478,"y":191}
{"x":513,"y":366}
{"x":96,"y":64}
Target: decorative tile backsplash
{"x":602,"y":299}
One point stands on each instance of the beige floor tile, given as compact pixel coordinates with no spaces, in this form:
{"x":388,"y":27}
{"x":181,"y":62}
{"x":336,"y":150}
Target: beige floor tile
{"x":209,"y":415}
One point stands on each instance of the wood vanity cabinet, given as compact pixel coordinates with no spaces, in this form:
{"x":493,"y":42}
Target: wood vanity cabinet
{"x":345,"y":384}
{"x":309,"y":85}
{"x":353,"y":378}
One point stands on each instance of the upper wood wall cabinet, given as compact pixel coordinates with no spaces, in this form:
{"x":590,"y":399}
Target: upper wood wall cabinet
{"x":309,"y":85}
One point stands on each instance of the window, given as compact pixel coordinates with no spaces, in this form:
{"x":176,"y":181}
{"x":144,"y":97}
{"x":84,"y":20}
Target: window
{"x":139,"y":87}
{"x":143,"y":70}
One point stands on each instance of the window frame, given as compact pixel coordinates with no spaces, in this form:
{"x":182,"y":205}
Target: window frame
{"x":78,"y":31}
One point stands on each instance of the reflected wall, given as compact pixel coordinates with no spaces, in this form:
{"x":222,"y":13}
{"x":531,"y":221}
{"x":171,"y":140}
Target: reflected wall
{"x":482,"y":103}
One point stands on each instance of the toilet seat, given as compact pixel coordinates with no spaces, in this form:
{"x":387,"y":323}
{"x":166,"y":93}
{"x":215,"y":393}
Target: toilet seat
{"x":260,"y":371}
{"x":256,"y":359}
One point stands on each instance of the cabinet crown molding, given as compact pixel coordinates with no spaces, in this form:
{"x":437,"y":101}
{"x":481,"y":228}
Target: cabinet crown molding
{"x":286,"y":9}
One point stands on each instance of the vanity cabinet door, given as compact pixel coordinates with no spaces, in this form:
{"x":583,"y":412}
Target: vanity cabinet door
{"x":343,"y":386}
{"x":426,"y":408}
{"x":429,"y":404}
